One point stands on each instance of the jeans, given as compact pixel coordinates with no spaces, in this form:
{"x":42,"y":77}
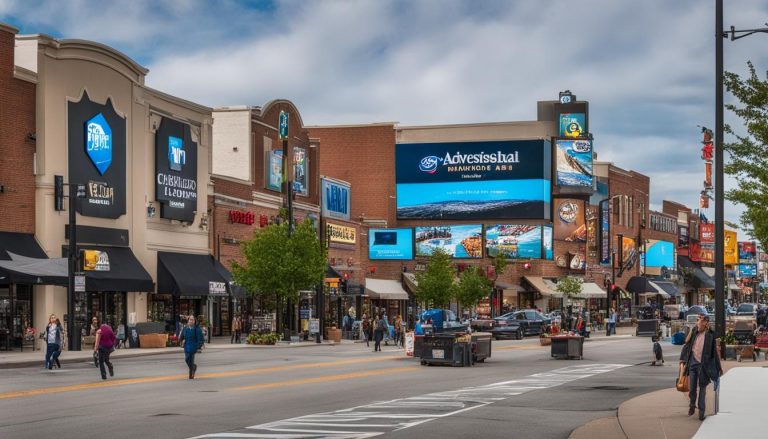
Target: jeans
{"x":189,"y":358}
{"x":235,"y":337}
{"x":377,"y":337}
{"x":367,"y":336}
{"x":611,"y":328}
{"x":51,"y":354}
{"x":694,"y":380}
{"x":104,"y":359}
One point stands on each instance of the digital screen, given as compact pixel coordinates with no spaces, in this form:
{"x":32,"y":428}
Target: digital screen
{"x":747,"y":270}
{"x":569,"y":220}
{"x":514,"y":241}
{"x":396,"y":244}
{"x":572,"y":124}
{"x":658,"y":254}
{"x":473,"y":180}
{"x":574,"y":163}
{"x":548,"y":243}
{"x":464,"y":241}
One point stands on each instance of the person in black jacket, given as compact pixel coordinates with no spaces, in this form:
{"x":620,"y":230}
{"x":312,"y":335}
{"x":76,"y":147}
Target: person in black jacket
{"x":702,"y":364}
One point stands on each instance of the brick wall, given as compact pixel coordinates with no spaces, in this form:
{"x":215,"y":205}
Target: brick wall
{"x":637,"y":186}
{"x":17,"y":120}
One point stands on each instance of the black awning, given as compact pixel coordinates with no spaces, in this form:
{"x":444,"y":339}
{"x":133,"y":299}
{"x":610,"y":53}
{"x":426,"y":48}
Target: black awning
{"x":668,"y":288}
{"x":23,"y":244}
{"x":699,"y":279}
{"x":41,"y":271}
{"x":125,"y":272}
{"x":234,"y":290}
{"x":331,"y":272}
{"x":640,"y":285}
{"x":184,"y":274}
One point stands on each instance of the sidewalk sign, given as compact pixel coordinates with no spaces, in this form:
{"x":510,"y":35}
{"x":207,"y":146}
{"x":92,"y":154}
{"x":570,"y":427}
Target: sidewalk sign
{"x":314,"y":326}
{"x":79,"y":283}
{"x":409,"y":338}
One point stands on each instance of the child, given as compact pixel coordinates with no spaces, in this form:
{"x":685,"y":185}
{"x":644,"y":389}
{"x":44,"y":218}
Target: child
{"x":658,"y":355}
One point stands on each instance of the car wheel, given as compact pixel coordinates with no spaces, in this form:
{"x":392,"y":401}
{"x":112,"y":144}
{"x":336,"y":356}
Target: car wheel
{"x":519,"y":334}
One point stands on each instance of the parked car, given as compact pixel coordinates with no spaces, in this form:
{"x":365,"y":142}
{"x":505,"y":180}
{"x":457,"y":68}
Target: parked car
{"x":518,"y":324}
{"x":747,"y":310}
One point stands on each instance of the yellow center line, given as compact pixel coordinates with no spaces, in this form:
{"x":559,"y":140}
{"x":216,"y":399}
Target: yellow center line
{"x":328,"y":378}
{"x":144,"y":380}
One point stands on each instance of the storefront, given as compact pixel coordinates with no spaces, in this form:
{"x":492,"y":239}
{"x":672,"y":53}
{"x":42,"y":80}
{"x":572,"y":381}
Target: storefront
{"x":540,"y":293}
{"x":386,"y":296}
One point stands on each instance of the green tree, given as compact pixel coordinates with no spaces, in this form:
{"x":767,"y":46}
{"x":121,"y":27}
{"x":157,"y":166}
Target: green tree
{"x":280,"y":264}
{"x":473,"y":286}
{"x":436,"y":284}
{"x":569,"y":285}
{"x":499,"y":265}
{"x":748,"y":154}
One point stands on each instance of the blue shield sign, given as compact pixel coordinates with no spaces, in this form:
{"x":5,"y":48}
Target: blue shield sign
{"x":98,"y":142}
{"x":177,"y":157}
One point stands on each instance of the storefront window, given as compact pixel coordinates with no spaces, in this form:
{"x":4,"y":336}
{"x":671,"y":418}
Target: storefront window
{"x":16,"y":309}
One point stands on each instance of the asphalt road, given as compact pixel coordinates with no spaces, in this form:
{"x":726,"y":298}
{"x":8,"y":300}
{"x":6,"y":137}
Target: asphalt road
{"x":332,"y":391}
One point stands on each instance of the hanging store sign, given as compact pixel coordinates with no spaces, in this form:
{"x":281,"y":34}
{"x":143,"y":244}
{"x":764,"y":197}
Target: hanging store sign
{"x":341,"y":234}
{"x":217,"y":288}
{"x":335,"y":199}
{"x":300,"y":171}
{"x":96,"y":154}
{"x":95,"y":260}
{"x":274,"y":171}
{"x":175,"y":171}
{"x":605,"y":232}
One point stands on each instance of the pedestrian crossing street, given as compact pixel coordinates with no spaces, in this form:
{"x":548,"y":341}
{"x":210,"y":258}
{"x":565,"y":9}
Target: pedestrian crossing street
{"x":383,"y":417}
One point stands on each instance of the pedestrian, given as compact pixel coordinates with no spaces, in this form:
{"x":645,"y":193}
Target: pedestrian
{"x":191,"y":340}
{"x":366,"y":329}
{"x":104,"y":346}
{"x":403,"y":329}
{"x":701,"y":364}
{"x":95,"y":326}
{"x":611,"y":322}
{"x":378,"y":333}
{"x":398,"y":319}
{"x":658,"y":354}
{"x":237,"y":325}
{"x":54,"y":337}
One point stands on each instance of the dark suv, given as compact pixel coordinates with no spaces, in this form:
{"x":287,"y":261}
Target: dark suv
{"x":518,"y":324}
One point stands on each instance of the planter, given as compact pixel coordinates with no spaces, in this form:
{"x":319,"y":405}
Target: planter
{"x":730,"y":351}
{"x":545,"y":341}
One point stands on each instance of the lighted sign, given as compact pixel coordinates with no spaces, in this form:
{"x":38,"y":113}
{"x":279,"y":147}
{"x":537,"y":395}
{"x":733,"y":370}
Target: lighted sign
{"x":177,"y":157}
{"x":341,"y":234}
{"x":98,"y":142}
{"x":731,"y":251}
{"x":658,"y":254}
{"x":569,"y":220}
{"x":464,"y":241}
{"x":574,"y":163}
{"x":747,"y":252}
{"x":300,"y":171}
{"x":547,"y":242}
{"x":274,"y":170}
{"x":394,"y":244}
{"x":747,"y":270}
{"x":239,"y":217}
{"x":335,"y":199}
{"x":95,"y":260}
{"x":175,"y":170}
{"x":514,"y":241}
{"x":605,"y":233}
{"x":572,"y":124}
{"x":473,"y":180}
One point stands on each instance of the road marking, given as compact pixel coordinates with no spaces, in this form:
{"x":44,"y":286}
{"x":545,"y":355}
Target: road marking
{"x":328,"y":378}
{"x":384,"y":417}
{"x":163,"y":378}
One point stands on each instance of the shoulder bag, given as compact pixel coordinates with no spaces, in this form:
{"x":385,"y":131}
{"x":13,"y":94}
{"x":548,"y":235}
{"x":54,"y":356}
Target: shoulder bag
{"x":682,"y":384}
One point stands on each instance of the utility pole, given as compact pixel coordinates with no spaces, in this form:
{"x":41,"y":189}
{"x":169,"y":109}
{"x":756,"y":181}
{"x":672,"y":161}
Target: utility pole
{"x":75,"y":191}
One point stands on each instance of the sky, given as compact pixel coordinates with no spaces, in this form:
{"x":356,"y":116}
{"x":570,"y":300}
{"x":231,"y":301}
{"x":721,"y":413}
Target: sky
{"x":647,"y":68}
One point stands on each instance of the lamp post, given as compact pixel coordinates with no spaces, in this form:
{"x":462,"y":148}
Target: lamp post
{"x":720,"y":35}
{"x":75,"y":191}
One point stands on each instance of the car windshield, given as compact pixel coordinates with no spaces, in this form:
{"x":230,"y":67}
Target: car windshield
{"x":746,"y":308}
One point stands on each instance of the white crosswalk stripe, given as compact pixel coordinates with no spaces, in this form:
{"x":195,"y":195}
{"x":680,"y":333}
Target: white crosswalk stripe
{"x":384,"y":417}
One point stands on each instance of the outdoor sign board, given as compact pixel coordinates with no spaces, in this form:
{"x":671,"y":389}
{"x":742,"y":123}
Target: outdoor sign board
{"x":300,"y":171}
{"x":546,"y":238}
{"x":747,"y":252}
{"x":335,"y":199}
{"x":682,"y":236}
{"x":96,"y":144}
{"x":217,"y":288}
{"x":95,"y":260}
{"x":573,"y":163}
{"x":569,"y":220}
{"x":79,"y":283}
{"x":394,"y":244}
{"x":707,"y":233}
{"x":657,"y":254}
{"x":274,"y":170}
{"x":175,"y":170}
{"x":283,"y":125}
{"x":341,"y":234}
{"x":572,"y":124}
{"x":731,"y":256}
{"x":605,"y":233}
{"x":473,"y":180}
{"x":747,"y":270}
{"x":628,"y":253}
{"x":459,"y":241}
{"x":514,"y":241}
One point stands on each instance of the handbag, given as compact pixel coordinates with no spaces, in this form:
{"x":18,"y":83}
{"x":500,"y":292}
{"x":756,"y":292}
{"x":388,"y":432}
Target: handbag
{"x":682,"y":384}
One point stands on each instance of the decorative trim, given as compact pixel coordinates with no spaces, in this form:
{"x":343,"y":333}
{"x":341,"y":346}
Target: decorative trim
{"x":25,"y":74}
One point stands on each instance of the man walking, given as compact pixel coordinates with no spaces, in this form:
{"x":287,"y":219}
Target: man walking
{"x":611,"y":322}
{"x":191,"y":340}
{"x":237,"y":326}
{"x":702,"y":364}
{"x":103,"y":347}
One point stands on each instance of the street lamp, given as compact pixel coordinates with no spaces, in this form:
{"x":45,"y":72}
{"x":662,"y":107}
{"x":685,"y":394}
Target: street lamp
{"x":75,"y":191}
{"x":720,"y":35}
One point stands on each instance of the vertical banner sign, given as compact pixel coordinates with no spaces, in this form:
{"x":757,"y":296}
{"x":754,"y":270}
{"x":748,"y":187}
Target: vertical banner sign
{"x":283,"y":125}
{"x":335,"y":200}
{"x":300,"y":171}
{"x":96,"y":152}
{"x":274,"y":171}
{"x":605,"y":233}
{"x":175,"y":170}
{"x":574,"y":163}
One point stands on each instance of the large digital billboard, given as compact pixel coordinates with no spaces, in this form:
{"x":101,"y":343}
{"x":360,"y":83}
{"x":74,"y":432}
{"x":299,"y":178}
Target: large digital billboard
{"x":473,"y":180}
{"x":573,"y":124}
{"x":175,"y":170}
{"x":658,"y":254}
{"x":514,"y":241}
{"x":574,"y":163}
{"x":394,"y":244}
{"x":464,"y":241}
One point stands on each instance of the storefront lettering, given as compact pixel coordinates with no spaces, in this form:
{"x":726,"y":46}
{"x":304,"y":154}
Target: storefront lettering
{"x":99,"y":193}
{"x":341,"y":234}
{"x":238,"y":217}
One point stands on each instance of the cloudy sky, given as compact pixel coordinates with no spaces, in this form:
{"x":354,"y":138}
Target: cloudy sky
{"x":646,"y":67}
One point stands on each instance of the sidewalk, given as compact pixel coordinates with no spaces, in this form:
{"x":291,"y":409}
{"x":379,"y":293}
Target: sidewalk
{"x":664,"y":413}
{"x":28,"y":358}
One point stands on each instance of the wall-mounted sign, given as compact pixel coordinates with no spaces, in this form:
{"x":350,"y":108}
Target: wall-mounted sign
{"x":707,"y":232}
{"x":96,"y":155}
{"x":569,"y":221}
{"x":731,"y":256}
{"x":335,"y":200}
{"x":283,"y":125}
{"x":300,"y":171}
{"x":95,"y":260}
{"x":464,"y":241}
{"x":79,"y":283}
{"x":175,"y":170}
{"x":514,"y":241}
{"x":473,"y":180}
{"x":217,"y":288}
{"x":605,"y":233}
{"x":572,"y":124}
{"x":747,"y":270}
{"x":547,"y":242}
{"x":274,"y":171}
{"x":342,"y":234}
{"x":573,"y":163}
{"x":394,"y":244}
{"x":657,"y":254}
{"x":747,"y":252}
{"x":247,"y":218}
{"x":628,"y":253}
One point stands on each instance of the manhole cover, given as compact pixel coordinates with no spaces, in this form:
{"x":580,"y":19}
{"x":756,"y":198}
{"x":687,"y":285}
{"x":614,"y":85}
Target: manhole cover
{"x":608,"y":388}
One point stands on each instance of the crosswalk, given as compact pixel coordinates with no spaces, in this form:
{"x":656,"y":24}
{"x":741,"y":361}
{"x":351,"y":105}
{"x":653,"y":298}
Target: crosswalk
{"x":384,"y":417}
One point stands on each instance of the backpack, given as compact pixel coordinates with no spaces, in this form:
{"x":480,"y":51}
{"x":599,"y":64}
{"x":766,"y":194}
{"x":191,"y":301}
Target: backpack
{"x":381,"y":325}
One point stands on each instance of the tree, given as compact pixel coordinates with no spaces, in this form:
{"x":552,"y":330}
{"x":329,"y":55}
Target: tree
{"x":436,"y":284}
{"x":499,"y":265}
{"x":280,"y":264}
{"x":473,"y":286}
{"x":569,"y":285}
{"x":748,"y":154}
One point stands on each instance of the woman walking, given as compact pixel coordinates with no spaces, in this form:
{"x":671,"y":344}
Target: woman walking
{"x":191,"y":340}
{"x":366,"y":325}
{"x":54,"y":337}
{"x":612,"y":322}
{"x":103,"y":347}
{"x":701,"y":362}
{"x":237,"y":326}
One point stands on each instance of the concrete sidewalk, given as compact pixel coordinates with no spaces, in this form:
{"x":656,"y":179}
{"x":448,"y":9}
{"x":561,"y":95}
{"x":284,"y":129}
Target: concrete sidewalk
{"x":28,"y":358}
{"x":664,"y":414}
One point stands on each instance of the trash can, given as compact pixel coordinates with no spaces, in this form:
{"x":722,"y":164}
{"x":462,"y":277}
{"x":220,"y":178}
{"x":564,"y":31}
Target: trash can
{"x":566,"y":347}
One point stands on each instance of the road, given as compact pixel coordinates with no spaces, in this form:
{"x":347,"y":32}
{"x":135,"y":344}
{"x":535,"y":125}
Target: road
{"x":332,"y":391}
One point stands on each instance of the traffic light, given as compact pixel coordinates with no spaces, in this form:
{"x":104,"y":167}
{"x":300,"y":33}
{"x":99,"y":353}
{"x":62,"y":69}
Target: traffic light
{"x":58,"y":192}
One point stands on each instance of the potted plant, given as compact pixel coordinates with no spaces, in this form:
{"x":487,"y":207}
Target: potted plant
{"x":544,"y":339}
{"x":730,"y":345}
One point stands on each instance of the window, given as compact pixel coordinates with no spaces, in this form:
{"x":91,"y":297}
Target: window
{"x":630,"y":213}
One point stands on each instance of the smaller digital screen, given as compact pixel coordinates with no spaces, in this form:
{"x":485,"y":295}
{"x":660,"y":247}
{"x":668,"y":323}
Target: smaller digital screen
{"x":513,"y":241}
{"x":396,"y":244}
{"x":463,"y":241}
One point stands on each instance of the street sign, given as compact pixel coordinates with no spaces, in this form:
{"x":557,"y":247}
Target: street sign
{"x":314,"y":326}
{"x":79,"y":283}
{"x":283,"y":125}
{"x":304,"y":313}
